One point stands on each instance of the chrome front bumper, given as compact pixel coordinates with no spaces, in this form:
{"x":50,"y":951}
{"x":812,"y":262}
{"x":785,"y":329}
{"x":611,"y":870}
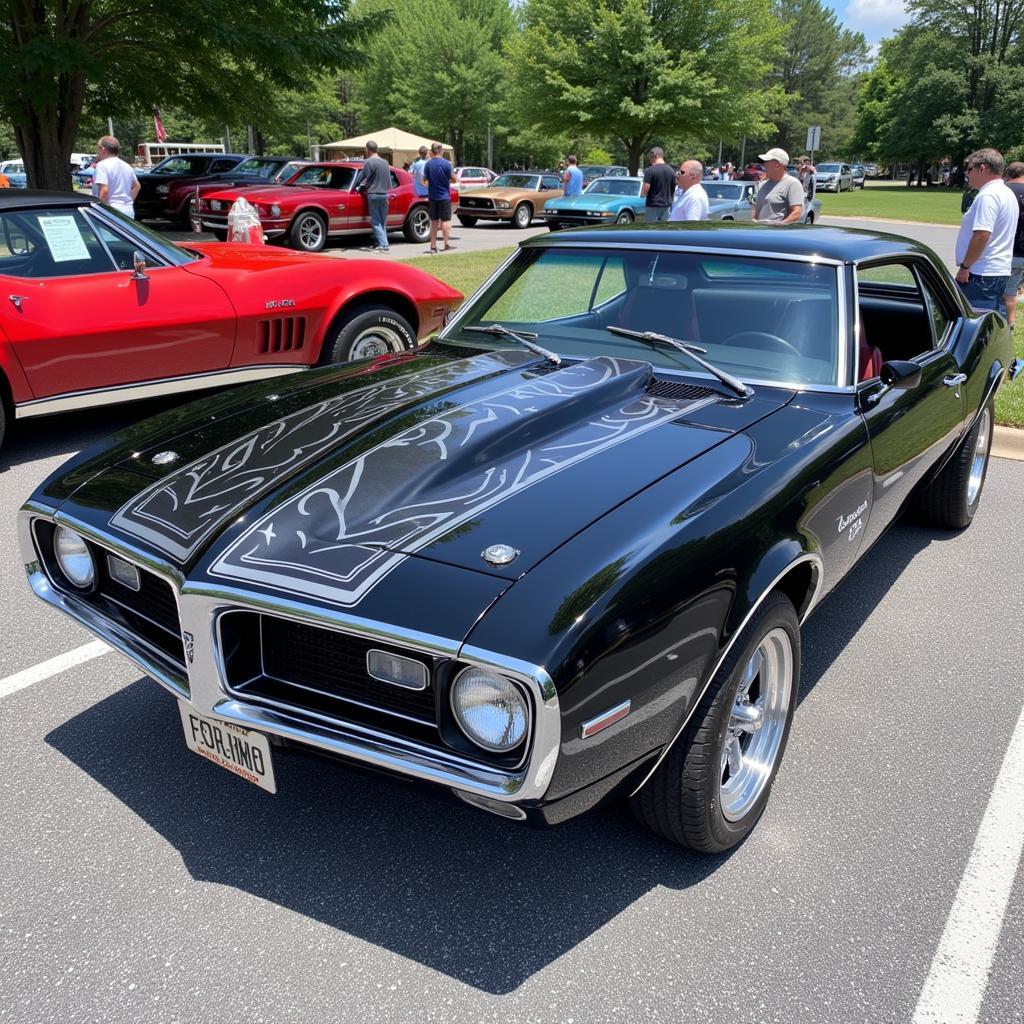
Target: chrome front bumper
{"x":202,"y":684}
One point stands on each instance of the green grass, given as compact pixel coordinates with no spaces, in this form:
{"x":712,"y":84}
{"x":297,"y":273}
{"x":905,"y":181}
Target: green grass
{"x":897,"y":202}
{"x":468,"y":270}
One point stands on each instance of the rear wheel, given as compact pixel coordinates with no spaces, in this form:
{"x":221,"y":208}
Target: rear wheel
{"x":308,"y":232}
{"x":952,"y":498}
{"x":365,"y":332}
{"x":466,"y":221}
{"x":523,"y":215}
{"x":713,"y":785}
{"x":417,"y":225}
{"x":554,"y":225}
{"x":625,"y":217}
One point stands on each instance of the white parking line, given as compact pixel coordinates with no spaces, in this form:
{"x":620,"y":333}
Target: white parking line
{"x":52,"y":667}
{"x":955,"y":986}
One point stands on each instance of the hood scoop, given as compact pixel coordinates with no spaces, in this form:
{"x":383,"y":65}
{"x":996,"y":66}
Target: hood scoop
{"x":429,"y":489}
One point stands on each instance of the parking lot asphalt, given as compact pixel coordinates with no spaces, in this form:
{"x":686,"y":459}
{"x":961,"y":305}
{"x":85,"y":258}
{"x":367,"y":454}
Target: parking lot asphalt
{"x":142,"y":883}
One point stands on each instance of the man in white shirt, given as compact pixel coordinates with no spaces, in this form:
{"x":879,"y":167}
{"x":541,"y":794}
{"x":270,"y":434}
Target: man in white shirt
{"x":690,"y":201}
{"x":984,"y":244}
{"x":114,"y":181}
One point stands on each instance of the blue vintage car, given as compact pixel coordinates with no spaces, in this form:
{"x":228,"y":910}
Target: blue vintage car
{"x":609,"y":200}
{"x":15,"y":172}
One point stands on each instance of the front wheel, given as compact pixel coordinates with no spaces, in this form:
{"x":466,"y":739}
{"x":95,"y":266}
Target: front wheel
{"x":523,"y":215}
{"x":417,"y":225}
{"x":466,"y":221}
{"x":365,"y":332}
{"x":308,"y":233}
{"x":625,"y":217}
{"x":711,"y":788}
{"x":952,"y":498}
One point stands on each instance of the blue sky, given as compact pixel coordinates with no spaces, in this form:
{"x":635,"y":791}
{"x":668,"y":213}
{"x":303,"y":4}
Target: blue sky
{"x":874,"y":18}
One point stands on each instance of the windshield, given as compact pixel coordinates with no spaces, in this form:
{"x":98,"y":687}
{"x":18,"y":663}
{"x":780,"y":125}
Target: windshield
{"x":289,"y":171}
{"x":181,"y":165}
{"x":257,"y":167}
{"x":614,"y":187}
{"x":828,"y":168}
{"x":516,"y":181}
{"x":724,"y":190}
{"x":758,"y":318}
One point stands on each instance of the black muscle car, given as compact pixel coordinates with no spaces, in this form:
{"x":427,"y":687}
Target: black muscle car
{"x":563,"y":552}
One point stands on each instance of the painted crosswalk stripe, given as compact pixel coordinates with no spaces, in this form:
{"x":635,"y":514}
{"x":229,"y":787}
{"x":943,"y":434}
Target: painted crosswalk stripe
{"x":52,"y":667}
{"x":955,"y":986}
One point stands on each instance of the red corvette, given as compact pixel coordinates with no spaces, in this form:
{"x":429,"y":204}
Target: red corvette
{"x":97,"y":309}
{"x":319,"y":203}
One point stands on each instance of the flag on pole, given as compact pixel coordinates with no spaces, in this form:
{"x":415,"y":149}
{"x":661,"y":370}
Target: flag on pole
{"x":158,"y":126}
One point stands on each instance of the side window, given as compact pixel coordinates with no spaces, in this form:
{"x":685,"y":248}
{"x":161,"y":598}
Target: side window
{"x":50,"y":243}
{"x":221,"y":165}
{"x":120,"y":248}
{"x":894,"y":276}
{"x":895,"y":318}
{"x":394,"y":180}
{"x":549,"y":182}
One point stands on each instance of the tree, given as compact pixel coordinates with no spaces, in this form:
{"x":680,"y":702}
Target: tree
{"x":642,"y":71}
{"x":220,"y":59}
{"x":818,"y":60}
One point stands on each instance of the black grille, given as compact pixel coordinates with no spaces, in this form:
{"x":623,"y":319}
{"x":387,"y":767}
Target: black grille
{"x":478,"y":203}
{"x":335,"y":664}
{"x":678,"y":390}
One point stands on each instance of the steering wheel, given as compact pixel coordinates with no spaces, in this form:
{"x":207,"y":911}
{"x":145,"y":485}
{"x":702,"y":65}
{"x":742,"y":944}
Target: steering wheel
{"x":751,"y":339}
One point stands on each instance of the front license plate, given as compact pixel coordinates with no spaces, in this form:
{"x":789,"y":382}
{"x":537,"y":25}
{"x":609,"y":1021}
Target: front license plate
{"x":242,"y":751}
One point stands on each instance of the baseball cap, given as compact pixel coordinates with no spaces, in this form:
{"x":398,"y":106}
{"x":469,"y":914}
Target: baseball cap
{"x":776,"y":154}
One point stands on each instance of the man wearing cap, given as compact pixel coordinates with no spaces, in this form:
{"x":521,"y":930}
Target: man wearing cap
{"x":780,"y":199}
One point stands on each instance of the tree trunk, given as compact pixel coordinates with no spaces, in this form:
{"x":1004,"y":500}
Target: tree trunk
{"x":635,"y":149}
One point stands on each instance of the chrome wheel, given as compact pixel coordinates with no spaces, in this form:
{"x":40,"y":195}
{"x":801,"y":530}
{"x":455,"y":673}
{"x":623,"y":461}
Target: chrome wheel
{"x":310,"y":232}
{"x":757,"y":725}
{"x":980,"y":458}
{"x":378,"y":340}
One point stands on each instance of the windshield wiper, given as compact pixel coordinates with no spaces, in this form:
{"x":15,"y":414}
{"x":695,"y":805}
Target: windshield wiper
{"x":655,"y":339}
{"x":504,"y":332}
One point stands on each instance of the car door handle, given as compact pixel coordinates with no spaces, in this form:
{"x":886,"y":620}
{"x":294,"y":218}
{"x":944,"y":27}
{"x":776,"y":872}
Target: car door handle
{"x":17,"y":300}
{"x":955,"y":380}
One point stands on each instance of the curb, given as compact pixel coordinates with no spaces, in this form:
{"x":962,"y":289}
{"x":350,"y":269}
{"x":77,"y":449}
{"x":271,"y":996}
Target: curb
{"x":1008,"y":443}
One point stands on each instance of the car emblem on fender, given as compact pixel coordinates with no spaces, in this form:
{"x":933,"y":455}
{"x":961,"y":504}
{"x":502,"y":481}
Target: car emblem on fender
{"x":190,"y":646}
{"x":164,"y":458}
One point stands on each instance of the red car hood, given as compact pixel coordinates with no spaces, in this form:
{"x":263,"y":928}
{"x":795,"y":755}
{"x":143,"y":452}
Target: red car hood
{"x":273,"y":193}
{"x":235,"y":256}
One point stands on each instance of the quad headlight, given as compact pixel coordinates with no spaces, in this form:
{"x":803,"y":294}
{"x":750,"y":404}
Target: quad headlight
{"x":502,"y":204}
{"x":490,"y":709}
{"x":162,"y":190}
{"x":73,"y":557}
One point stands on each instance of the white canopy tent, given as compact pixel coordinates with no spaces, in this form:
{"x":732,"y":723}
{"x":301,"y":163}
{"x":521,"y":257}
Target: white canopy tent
{"x":392,"y":143}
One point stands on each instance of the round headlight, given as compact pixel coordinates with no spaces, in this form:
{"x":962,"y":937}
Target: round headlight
{"x":73,"y":557}
{"x":275,"y":211}
{"x":490,"y":709}
{"x":162,"y":190}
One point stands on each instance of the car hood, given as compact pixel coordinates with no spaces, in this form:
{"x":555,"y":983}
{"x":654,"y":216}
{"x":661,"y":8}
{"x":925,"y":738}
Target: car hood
{"x":585,"y":202}
{"x":331,"y":487}
{"x":277,"y":193}
{"x":513,"y":193}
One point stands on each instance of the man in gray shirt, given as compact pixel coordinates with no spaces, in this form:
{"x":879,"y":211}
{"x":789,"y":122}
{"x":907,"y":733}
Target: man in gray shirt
{"x":374,"y":179}
{"x":780,"y":199}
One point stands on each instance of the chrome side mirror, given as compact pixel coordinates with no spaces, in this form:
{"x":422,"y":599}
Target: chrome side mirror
{"x":139,"y":263}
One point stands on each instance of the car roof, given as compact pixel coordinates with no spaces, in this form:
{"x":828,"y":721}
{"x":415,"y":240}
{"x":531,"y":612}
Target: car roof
{"x":846,"y":245}
{"x":25,"y":198}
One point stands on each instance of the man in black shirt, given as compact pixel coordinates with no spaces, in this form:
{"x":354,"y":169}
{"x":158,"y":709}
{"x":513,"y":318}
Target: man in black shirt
{"x":659,"y":186}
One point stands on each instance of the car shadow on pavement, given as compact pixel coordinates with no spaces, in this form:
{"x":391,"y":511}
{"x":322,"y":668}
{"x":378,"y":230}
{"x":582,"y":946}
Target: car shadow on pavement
{"x":485,"y":901}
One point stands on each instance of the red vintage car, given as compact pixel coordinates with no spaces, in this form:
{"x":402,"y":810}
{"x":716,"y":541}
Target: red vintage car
{"x":97,"y":309}
{"x":320,"y":203}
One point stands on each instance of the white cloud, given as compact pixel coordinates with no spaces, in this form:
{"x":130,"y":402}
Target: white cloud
{"x":890,"y":13}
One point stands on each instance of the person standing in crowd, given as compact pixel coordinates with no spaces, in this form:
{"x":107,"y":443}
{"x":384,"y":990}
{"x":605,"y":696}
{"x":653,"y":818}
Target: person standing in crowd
{"x":114,"y":181}
{"x":805,"y":171}
{"x":573,"y":178}
{"x":374,"y":178}
{"x":691,"y":201}
{"x":984,"y":243}
{"x":658,"y":187}
{"x":780,"y":198}
{"x":1015,"y":183}
{"x":438,"y":176}
{"x":417,"y":171}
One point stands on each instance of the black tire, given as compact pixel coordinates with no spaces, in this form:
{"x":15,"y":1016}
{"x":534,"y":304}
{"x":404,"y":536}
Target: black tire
{"x":308,"y":232}
{"x":625,"y":217}
{"x":417,"y":225}
{"x":952,"y":498}
{"x":554,"y":225}
{"x":685,"y":799}
{"x":185,"y":213}
{"x":810,"y":218}
{"x":220,"y":234}
{"x":523,"y":216}
{"x":364,"y":332}
{"x":467,"y":221}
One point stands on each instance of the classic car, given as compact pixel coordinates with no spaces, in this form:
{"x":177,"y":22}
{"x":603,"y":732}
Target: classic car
{"x":15,"y":173}
{"x":320,"y":203}
{"x":515,"y":197}
{"x":833,"y":178}
{"x":592,"y":171}
{"x":468,"y":178}
{"x":154,"y":185}
{"x":99,"y":310}
{"x":181,"y":197}
{"x":614,"y":200}
{"x":563,"y":553}
{"x":734,"y":200}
